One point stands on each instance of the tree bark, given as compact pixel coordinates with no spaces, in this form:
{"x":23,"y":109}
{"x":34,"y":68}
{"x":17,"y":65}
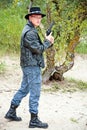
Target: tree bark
{"x":50,"y":53}
{"x":53,"y":72}
{"x":58,"y":72}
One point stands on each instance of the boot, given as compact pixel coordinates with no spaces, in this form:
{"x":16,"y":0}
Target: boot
{"x":36,"y":123}
{"x":11,"y":114}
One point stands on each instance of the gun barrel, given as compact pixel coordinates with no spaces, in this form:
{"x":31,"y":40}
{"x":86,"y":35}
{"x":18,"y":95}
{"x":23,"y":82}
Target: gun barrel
{"x":49,"y":29}
{"x":51,"y":25}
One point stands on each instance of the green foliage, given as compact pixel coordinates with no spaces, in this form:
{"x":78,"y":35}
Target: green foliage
{"x":74,"y":120}
{"x":11,"y":27}
{"x":2,"y":67}
{"x":79,"y":84}
{"x":82,"y":47}
{"x":5,"y":3}
{"x":68,"y":85}
{"x":67,"y":15}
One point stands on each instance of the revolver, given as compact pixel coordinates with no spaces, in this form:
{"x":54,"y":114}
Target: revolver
{"x":49,"y":29}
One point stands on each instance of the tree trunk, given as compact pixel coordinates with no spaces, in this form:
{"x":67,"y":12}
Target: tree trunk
{"x":50,"y":53}
{"x":58,"y":72}
{"x":53,"y":72}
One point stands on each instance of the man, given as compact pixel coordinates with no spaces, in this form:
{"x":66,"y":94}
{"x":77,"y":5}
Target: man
{"x":31,"y":62}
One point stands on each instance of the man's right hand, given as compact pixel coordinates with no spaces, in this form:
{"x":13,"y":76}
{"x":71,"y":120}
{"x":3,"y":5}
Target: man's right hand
{"x":50,"y":38}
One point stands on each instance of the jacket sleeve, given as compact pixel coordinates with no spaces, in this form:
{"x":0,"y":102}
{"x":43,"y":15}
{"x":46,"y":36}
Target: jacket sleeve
{"x":33,"y":42}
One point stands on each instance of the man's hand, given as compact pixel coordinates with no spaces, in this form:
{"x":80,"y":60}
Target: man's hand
{"x":50,"y":38}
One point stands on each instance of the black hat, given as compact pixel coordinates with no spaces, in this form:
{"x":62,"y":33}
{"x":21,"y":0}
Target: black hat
{"x":34,"y":10}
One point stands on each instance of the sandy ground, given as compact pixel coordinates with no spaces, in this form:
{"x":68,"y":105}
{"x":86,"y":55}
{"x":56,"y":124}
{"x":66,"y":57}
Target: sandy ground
{"x":62,"y":111}
{"x":79,"y":70}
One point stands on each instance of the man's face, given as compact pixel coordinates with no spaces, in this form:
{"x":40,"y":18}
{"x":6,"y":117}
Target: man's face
{"x":35,"y":19}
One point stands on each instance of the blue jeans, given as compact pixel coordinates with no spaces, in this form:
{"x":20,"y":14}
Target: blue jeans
{"x":31,"y":83}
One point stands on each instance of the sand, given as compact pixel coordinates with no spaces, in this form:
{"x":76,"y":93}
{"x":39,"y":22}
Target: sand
{"x":62,"y":111}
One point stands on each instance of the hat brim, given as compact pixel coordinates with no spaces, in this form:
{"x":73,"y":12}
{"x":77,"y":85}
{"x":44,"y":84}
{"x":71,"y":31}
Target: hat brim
{"x":27,"y":16}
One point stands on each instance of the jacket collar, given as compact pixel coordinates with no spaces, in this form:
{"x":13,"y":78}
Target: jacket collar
{"x":30,"y":24}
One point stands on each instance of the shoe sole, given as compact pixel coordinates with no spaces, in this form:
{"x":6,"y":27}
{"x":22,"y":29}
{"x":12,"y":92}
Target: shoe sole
{"x":37,"y":127}
{"x":11,"y":118}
